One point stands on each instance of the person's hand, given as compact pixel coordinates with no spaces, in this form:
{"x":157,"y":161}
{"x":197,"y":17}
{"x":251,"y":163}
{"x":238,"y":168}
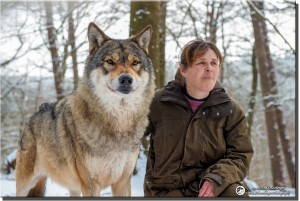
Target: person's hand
{"x":207,"y":189}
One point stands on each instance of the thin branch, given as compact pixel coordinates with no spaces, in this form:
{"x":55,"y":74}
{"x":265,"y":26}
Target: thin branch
{"x":265,"y":18}
{"x":192,"y":18}
{"x":175,"y":37}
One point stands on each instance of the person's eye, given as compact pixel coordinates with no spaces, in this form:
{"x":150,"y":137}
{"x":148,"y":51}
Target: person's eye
{"x":214,"y":63}
{"x":201,"y":63}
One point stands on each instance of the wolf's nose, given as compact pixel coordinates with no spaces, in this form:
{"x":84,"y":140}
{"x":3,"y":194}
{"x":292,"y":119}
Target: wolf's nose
{"x":125,"y":80}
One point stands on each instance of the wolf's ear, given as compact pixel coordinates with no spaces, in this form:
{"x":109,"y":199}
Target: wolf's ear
{"x":143,"y":38}
{"x":96,"y":37}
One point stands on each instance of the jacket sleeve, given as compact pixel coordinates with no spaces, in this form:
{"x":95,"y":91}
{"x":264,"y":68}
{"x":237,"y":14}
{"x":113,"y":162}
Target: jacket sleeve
{"x":153,"y":108}
{"x":235,"y":164}
{"x":149,"y":128}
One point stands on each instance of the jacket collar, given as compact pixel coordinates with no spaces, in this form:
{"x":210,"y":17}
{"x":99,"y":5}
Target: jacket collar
{"x":173,"y":92}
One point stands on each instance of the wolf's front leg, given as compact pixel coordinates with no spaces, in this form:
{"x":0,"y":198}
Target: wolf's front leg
{"x":123,"y":185}
{"x":74,"y":193}
{"x":122,"y":188}
{"x":90,"y":190}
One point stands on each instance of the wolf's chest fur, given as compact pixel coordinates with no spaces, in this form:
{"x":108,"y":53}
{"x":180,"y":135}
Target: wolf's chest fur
{"x":113,"y":164}
{"x":115,"y":124}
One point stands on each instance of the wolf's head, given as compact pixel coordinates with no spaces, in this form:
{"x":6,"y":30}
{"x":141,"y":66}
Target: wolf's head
{"x":118,"y":68}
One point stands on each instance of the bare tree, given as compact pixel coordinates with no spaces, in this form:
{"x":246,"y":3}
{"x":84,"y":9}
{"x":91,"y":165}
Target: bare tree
{"x":154,"y":14}
{"x":252,"y":101}
{"x":151,"y":13}
{"x":214,"y":10}
{"x":72,"y":43}
{"x":274,"y":116}
{"x":56,"y":62}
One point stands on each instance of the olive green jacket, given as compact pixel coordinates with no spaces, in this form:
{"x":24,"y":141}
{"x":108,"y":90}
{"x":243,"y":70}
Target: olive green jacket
{"x":186,"y":148}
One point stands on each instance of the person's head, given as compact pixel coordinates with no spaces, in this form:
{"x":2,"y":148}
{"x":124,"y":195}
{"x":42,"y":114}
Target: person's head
{"x":199,"y":68}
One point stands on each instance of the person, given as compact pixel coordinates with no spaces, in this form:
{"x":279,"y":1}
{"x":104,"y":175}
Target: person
{"x":199,"y":145}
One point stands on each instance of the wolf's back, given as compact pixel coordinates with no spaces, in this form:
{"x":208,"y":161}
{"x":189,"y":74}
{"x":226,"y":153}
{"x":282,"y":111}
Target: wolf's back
{"x":47,"y":108}
{"x":36,"y":125}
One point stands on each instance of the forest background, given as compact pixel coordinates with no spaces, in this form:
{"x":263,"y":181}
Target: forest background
{"x":43,"y":47}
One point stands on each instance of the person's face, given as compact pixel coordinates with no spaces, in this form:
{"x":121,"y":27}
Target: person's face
{"x":202,"y":75}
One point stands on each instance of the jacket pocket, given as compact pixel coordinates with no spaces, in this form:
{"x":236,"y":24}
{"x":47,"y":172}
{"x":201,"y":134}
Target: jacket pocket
{"x":167,"y":183}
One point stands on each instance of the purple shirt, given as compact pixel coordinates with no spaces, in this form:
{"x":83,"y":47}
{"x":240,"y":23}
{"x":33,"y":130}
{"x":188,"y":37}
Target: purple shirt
{"x":195,"y":104}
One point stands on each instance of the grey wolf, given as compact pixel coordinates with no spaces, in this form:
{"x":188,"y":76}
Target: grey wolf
{"x":90,"y":139}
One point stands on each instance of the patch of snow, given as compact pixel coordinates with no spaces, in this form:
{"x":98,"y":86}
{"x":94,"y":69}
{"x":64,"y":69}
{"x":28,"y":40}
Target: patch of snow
{"x":12,"y":156}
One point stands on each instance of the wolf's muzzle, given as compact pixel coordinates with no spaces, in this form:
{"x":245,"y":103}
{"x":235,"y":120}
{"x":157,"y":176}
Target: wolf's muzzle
{"x":125,"y":82}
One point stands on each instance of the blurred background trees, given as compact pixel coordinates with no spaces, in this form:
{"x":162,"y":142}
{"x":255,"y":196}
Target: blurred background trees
{"x":275,"y":121}
{"x":44,"y":47}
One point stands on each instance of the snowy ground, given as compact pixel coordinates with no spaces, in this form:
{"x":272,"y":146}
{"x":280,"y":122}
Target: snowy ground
{"x":8,"y":186}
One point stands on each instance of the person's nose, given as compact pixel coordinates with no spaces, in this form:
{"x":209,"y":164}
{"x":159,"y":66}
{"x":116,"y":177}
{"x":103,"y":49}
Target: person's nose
{"x":209,"y":67}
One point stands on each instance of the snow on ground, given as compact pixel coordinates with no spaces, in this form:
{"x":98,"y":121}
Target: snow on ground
{"x":8,"y":186}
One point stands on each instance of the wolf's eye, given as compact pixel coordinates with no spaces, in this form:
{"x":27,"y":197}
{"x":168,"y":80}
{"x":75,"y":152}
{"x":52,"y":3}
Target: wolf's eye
{"x":109,"y":61}
{"x":135,"y":62}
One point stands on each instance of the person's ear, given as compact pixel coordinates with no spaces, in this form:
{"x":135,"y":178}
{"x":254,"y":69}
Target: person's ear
{"x":183,"y":71}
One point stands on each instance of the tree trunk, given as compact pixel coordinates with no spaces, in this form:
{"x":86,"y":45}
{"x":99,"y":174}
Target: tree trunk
{"x":266,"y":68}
{"x":143,"y":13}
{"x":162,"y":41}
{"x":211,"y":25}
{"x":72,"y":44}
{"x":284,"y":136}
{"x":57,"y":71}
{"x":285,"y":142}
{"x":253,"y":92}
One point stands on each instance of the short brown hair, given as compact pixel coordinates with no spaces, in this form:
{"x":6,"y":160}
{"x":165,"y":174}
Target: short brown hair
{"x":196,"y":48}
{"x":191,"y":51}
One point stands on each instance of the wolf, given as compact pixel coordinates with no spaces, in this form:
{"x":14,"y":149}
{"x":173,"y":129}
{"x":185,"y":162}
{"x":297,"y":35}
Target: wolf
{"x":90,"y":139}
